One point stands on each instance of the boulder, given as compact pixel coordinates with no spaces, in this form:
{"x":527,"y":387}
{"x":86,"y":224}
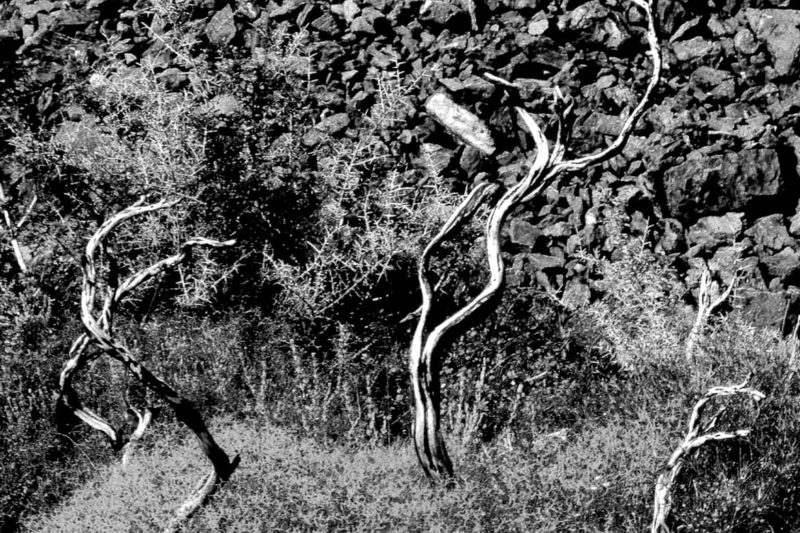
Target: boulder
{"x":524,"y":233}
{"x":782,"y":265}
{"x":443,"y":13}
{"x":778,"y":28}
{"x":538,"y":262}
{"x":762,"y":308}
{"x":710,"y":232}
{"x":770,"y":233}
{"x":672,"y":239}
{"x":709,"y":184}
{"x":221,"y":29}
{"x":696,"y":48}
{"x":576,"y":294}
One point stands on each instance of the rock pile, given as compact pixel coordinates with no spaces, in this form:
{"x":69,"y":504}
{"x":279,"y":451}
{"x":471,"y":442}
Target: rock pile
{"x":712,"y":170}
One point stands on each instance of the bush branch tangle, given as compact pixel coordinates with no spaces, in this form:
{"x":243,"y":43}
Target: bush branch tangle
{"x":696,"y":436}
{"x":547,"y":166}
{"x":98,"y":324}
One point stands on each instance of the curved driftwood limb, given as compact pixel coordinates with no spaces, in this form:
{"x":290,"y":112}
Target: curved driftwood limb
{"x":98,"y":333}
{"x":547,"y":165}
{"x":79,"y":354}
{"x":427,"y":436}
{"x":696,"y":436}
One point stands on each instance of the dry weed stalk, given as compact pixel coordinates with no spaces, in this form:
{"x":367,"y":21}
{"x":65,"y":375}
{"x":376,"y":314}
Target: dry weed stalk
{"x":99,"y":335}
{"x":695,"y":437}
{"x":12,"y":228}
{"x":705,"y":306}
{"x":548,"y":164}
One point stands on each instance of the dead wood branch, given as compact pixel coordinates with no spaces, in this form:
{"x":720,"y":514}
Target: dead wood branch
{"x":705,"y":306}
{"x":99,"y":335}
{"x":548,"y":164}
{"x":696,"y":436}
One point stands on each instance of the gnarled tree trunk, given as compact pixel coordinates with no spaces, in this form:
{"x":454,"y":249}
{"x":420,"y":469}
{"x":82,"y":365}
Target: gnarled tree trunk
{"x":98,"y":340}
{"x":426,"y":346}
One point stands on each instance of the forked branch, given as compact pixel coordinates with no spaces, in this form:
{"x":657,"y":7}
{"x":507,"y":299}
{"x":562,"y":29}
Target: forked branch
{"x":705,"y":306}
{"x":548,"y":164}
{"x":696,"y":436}
{"x":98,"y":335}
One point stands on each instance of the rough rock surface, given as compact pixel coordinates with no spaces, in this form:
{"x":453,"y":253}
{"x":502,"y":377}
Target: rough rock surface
{"x":711,"y":172}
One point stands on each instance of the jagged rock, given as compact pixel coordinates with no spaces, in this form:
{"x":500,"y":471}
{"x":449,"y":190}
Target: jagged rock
{"x":538,"y":25}
{"x":350,"y":10}
{"x":770,"y":232}
{"x":709,"y":232}
{"x":221,"y":29}
{"x":442,"y":13}
{"x":760,"y":307}
{"x":433,"y":158}
{"x":460,"y":122}
{"x":794,"y":225}
{"x":29,"y":10}
{"x":326,"y":24}
{"x":362,"y":25}
{"x":539,"y":262}
{"x":695,"y":48}
{"x":708,"y":184}
{"x":729,"y":260}
{"x":778,"y":28}
{"x":173,"y":79}
{"x":517,"y":5}
{"x":576,"y":294}
{"x":286,"y":9}
{"x":672,"y":238}
{"x":671,"y":15}
{"x":745,"y":42}
{"x":783,"y":264}
{"x":223,"y":105}
{"x":326,"y":128}
{"x":333,"y":124}
{"x":603,"y":124}
{"x":470,"y":160}
{"x":557,"y":230}
{"x":524,"y":233}
{"x":719,"y":81}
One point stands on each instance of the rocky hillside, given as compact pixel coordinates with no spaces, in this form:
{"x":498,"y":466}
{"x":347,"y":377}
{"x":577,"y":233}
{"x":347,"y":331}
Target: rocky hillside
{"x":710,"y":175}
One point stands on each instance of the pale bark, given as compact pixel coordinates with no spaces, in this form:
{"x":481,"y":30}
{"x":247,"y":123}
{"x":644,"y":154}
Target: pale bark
{"x":426,"y":346}
{"x":705,"y":306}
{"x":99,"y":335}
{"x":695,"y":438}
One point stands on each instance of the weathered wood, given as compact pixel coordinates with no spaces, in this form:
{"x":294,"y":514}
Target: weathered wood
{"x":99,"y":334}
{"x":424,"y":353}
{"x":693,"y":440}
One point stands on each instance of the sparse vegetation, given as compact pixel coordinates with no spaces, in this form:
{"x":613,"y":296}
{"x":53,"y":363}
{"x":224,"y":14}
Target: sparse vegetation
{"x":312,"y":152}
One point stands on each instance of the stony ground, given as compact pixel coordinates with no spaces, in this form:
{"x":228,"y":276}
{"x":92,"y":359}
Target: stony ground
{"x":711,"y":172}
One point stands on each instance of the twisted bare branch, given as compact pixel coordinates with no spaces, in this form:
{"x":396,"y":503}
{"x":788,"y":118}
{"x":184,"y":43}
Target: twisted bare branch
{"x":547,"y":165}
{"x":99,"y":334}
{"x":696,"y":436}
